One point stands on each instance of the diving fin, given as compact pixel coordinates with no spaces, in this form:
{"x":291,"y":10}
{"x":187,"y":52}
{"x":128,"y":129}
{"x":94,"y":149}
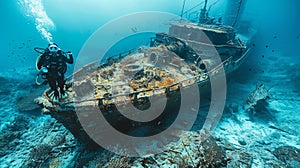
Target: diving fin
{"x":55,"y":99}
{"x":53,"y":96}
{"x":64,"y":95}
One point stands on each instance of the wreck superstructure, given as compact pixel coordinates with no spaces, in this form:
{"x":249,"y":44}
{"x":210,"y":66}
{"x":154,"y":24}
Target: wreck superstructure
{"x":176,"y":60}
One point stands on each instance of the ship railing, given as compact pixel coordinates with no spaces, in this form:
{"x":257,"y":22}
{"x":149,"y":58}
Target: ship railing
{"x":240,"y":46}
{"x":240,"y":60}
{"x":105,"y":61}
{"x":118,"y":56}
{"x":167,"y":89}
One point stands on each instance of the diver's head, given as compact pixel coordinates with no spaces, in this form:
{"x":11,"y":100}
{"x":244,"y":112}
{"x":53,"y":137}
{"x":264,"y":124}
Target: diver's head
{"x":53,"y":48}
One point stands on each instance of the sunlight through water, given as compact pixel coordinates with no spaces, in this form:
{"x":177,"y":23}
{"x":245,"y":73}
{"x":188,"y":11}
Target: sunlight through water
{"x":35,"y":9}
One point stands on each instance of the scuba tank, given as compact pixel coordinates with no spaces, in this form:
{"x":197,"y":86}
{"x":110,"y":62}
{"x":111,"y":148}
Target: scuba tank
{"x":41,"y":75}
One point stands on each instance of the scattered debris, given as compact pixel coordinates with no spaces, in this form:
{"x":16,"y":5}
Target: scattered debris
{"x":39,"y":155}
{"x":239,"y":159}
{"x":274,"y":127}
{"x":289,"y":155}
{"x":261,"y":93}
{"x":192,"y":150}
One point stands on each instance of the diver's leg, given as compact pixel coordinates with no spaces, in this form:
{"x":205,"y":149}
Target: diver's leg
{"x":61,"y":84}
{"x":52,"y":83}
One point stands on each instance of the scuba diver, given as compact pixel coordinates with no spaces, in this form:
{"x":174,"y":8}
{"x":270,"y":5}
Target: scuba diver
{"x":52,"y":64}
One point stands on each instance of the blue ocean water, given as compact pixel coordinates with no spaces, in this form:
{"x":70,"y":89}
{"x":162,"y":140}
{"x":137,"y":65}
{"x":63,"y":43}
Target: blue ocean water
{"x":71,"y":23}
{"x":274,"y":61}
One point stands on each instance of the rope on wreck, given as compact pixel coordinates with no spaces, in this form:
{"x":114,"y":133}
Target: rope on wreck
{"x":187,"y":12}
{"x":212,"y":5}
{"x":217,"y":46}
{"x":238,"y":12}
{"x":182,"y":8}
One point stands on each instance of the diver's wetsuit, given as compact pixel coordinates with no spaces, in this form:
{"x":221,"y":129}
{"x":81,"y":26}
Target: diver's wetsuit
{"x":56,"y":63}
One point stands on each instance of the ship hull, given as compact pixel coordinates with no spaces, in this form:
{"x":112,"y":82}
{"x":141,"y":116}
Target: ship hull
{"x":85,"y":118}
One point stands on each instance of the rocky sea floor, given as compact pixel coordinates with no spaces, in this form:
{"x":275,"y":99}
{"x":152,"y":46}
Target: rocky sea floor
{"x":266,"y":135}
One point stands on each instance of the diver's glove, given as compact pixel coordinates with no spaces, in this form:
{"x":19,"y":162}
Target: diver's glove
{"x":43,"y":71}
{"x":69,"y":56}
{"x":69,"y":52}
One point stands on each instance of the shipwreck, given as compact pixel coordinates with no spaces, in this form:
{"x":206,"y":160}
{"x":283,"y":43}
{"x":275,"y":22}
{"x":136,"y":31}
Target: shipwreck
{"x":172,"y":62}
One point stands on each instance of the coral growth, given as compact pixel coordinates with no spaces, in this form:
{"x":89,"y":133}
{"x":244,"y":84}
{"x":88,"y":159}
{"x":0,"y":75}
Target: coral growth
{"x":289,"y":155}
{"x":39,"y":155}
{"x":210,"y":154}
{"x":117,"y":161}
{"x":11,"y":133}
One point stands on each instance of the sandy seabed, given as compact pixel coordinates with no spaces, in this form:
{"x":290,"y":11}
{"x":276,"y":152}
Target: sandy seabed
{"x":267,"y":136}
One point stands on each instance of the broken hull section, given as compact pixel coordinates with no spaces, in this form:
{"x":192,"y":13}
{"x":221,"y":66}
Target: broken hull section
{"x":78,"y":118}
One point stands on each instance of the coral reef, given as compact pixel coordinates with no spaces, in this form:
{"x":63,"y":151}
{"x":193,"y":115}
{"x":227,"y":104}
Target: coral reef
{"x":11,"y":133}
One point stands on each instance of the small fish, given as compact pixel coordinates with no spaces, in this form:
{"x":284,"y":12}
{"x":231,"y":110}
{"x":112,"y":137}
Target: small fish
{"x":134,"y":29}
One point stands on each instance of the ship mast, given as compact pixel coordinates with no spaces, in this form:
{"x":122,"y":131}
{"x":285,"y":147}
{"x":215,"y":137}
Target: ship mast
{"x":205,"y":4}
{"x":204,"y":19}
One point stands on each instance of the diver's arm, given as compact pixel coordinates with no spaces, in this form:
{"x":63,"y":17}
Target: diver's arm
{"x":68,"y":57}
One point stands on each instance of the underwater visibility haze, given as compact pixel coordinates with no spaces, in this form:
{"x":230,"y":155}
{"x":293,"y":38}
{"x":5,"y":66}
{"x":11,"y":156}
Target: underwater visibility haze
{"x":139,"y":83}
